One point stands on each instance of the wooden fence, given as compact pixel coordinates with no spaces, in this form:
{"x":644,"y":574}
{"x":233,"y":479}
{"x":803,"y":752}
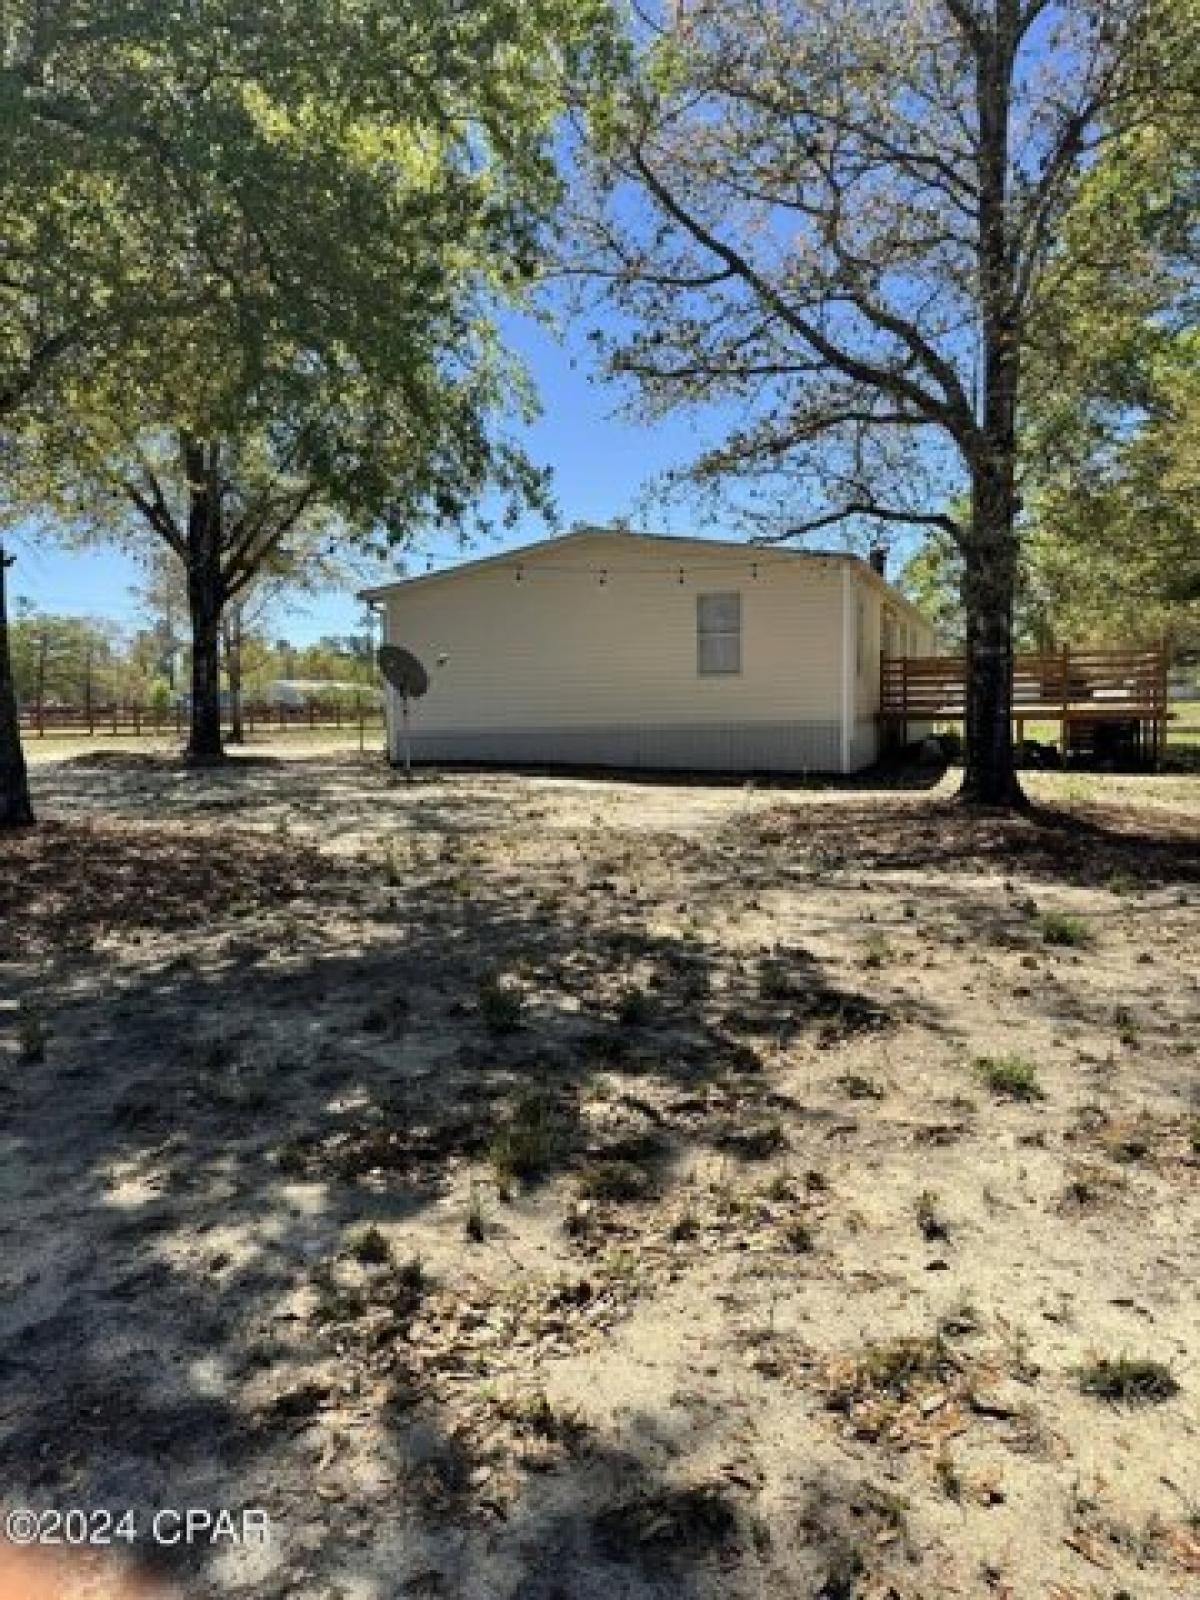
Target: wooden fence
{"x":1077,"y":689}
{"x":257,"y":717}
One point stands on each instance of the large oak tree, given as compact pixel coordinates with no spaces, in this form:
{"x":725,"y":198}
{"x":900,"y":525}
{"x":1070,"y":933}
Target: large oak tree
{"x":842,"y":217}
{"x":284,"y":231}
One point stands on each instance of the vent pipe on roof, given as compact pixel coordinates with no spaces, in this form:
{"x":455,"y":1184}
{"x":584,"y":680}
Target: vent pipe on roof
{"x":877,"y":555}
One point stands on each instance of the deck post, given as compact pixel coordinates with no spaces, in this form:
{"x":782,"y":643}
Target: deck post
{"x":1066,"y":700}
{"x":1161,"y":687}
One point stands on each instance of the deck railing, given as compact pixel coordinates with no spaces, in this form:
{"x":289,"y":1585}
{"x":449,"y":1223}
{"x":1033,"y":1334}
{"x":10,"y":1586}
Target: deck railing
{"x":1066,"y":686}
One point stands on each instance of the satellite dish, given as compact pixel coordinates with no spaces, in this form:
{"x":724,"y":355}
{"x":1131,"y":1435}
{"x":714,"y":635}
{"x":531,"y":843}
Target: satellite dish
{"x":403,"y":671}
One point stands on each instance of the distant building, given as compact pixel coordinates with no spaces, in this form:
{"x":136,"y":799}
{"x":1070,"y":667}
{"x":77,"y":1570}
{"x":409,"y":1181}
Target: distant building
{"x":299,"y":693}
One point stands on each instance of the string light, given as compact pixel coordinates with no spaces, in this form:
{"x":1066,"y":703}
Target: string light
{"x":692,"y":570}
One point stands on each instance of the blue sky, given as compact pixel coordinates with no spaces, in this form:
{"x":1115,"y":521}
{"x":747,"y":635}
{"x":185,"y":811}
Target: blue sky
{"x":600,"y":463}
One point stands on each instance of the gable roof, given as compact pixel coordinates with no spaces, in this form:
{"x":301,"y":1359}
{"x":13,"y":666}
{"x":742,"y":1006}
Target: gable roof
{"x":650,"y":543}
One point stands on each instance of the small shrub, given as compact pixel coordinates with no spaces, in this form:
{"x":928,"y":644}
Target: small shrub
{"x":799,"y":1237}
{"x":292,"y":1157}
{"x":948,"y":1475}
{"x":774,"y":982}
{"x":615,"y":1180}
{"x":1126,"y":1025}
{"x":1091,"y":1185}
{"x":393,"y":865}
{"x":1061,"y":928}
{"x":685,"y":1226}
{"x":929,"y":1218}
{"x":889,"y":1369}
{"x":534,"y":1413}
{"x":32,"y":1036}
{"x":500,"y":1005}
{"x":876,"y":951}
{"x":858,"y":1086}
{"x":778,"y":1187}
{"x":635,"y":1008}
{"x":1127,"y":1380}
{"x":959,"y":1322}
{"x":369,"y":1246}
{"x":336,"y":1302}
{"x":893,"y":1366}
{"x":1127,"y":1142}
{"x":756,"y":1142}
{"x":476,"y":1224}
{"x":662,"y":1526}
{"x":1011,"y":1077}
{"x":411,"y":1275}
{"x":527,"y":1142}
{"x":622,"y":1265}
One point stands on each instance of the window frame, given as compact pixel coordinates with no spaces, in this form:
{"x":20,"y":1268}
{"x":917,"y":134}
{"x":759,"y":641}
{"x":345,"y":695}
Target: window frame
{"x":706,"y":634}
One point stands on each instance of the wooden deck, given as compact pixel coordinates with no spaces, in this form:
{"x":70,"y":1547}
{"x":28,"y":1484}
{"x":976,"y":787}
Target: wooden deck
{"x":1084,"y":692}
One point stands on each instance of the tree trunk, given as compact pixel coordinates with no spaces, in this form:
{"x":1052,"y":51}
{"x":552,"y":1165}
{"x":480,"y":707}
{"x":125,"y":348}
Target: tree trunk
{"x":205,"y":599}
{"x":233,"y":672}
{"x":989,"y":777}
{"x":990,"y":559}
{"x":16,"y":809}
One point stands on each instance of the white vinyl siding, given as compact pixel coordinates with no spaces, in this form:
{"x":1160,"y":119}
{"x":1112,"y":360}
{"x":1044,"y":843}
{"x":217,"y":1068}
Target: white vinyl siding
{"x":718,"y":634}
{"x":560,"y":648}
{"x":587,"y":650}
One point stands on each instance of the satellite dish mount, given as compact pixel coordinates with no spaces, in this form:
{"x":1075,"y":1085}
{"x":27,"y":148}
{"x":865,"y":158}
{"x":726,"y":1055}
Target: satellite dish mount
{"x":404,"y":672}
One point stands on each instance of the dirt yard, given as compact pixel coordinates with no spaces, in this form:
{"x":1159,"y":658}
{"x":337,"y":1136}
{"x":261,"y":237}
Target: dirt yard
{"x":532,"y":1189}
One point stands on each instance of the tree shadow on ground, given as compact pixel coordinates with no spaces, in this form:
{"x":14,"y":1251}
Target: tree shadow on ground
{"x":280,"y":1048}
{"x":274,"y":1050}
{"x":1083,"y":844}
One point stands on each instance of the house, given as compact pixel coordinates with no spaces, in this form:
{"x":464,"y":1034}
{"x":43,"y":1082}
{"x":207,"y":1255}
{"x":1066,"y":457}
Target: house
{"x":297,"y":694}
{"x":609,"y":648}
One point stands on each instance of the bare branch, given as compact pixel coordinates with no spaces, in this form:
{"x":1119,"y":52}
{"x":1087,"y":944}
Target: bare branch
{"x":868,"y":508}
{"x":957,"y":420}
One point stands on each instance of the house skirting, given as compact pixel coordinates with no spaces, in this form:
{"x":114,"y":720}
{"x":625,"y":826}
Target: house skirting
{"x":736,"y":747}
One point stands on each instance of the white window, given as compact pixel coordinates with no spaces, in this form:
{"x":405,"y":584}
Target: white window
{"x":718,"y":633}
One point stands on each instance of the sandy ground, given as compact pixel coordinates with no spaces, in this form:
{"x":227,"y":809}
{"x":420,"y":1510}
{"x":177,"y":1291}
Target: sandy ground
{"x":524,"y":1188}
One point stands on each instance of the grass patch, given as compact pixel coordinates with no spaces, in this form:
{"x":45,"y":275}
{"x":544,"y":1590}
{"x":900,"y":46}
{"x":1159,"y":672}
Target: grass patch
{"x":476,"y":1223}
{"x":369,"y":1246}
{"x":876,"y":951}
{"x":798,"y":1236}
{"x":930,"y":1220}
{"x":892,"y":1367}
{"x":635,"y":1008}
{"x":32,"y":1036}
{"x":774,"y":980}
{"x":858,"y":1086}
{"x":1127,"y":1380}
{"x":501,"y":1005}
{"x":668,"y":1525}
{"x":1010,"y":1077}
{"x":533,"y":1413}
{"x":1091,"y":1185}
{"x":757,"y":1141}
{"x":615,"y":1180}
{"x":527,"y":1142}
{"x":1062,"y":928}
